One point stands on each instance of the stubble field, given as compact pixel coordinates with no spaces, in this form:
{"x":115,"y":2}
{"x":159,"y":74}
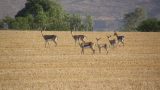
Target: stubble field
{"x":25,"y":64}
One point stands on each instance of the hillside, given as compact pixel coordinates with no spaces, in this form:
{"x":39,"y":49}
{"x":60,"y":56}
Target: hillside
{"x":10,"y":7}
{"x":107,"y":13}
{"x":110,"y":8}
{"x":25,"y":64}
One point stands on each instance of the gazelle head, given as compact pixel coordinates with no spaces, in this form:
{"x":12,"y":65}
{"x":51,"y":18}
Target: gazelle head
{"x":115,"y":34}
{"x":108,"y":36}
{"x":98,"y":39}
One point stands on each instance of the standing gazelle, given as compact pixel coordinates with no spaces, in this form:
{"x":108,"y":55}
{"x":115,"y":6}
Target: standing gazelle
{"x":112,"y":42}
{"x":48,"y":38}
{"x":84,"y":45}
{"x":77,"y":38}
{"x":120,"y":39}
{"x":100,"y":46}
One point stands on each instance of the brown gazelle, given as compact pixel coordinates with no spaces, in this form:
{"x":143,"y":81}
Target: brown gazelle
{"x":101,"y":45}
{"x":78,"y":38}
{"x":48,"y":38}
{"x":85,"y":45}
{"x":112,"y":42}
{"x":120,"y":39}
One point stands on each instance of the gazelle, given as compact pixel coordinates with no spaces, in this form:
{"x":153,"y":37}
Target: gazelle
{"x":48,"y":38}
{"x":112,"y":42}
{"x":100,"y":46}
{"x":85,"y":45}
{"x":120,"y":39}
{"x":77,"y":38}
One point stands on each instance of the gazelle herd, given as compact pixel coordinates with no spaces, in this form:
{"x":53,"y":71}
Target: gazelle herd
{"x":80,"y":39}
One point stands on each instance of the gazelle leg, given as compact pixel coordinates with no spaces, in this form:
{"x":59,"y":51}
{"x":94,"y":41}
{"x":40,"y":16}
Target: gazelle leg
{"x":106,"y":50}
{"x":99,"y":49}
{"x":113,"y":46}
{"x":123,"y":43}
{"x":93,"y":50}
{"x":110,"y":46}
{"x":75,"y":42}
{"x":55,"y":43}
{"x":45,"y":44}
{"x":118,"y":44}
{"x":82,"y":52}
{"x":48,"y":43}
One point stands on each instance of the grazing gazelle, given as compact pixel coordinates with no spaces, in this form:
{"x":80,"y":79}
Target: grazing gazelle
{"x":112,"y":42}
{"x":85,"y":45}
{"x":77,"y":38}
{"x":120,"y":39}
{"x":48,"y":38}
{"x":100,"y":46}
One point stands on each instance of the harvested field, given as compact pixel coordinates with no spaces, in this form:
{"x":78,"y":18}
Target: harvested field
{"x":25,"y":64}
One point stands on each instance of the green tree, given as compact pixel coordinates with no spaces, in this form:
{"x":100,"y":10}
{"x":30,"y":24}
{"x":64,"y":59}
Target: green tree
{"x":1,"y":24}
{"x":75,"y":22}
{"x":89,"y":23}
{"x":44,"y":13}
{"x":33,"y":7}
{"x":133,"y":19}
{"x":39,"y":14}
{"x":20,"y":23}
{"x":8,"y":20}
{"x":40,"y":20}
{"x":30,"y":22}
{"x":149,"y":25}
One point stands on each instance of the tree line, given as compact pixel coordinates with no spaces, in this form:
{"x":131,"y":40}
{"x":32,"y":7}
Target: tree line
{"x":48,"y":14}
{"x":138,"y":21}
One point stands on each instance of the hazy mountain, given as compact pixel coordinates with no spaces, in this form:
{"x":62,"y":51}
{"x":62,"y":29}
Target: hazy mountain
{"x":10,"y":7}
{"x":110,"y":8}
{"x":107,"y":13}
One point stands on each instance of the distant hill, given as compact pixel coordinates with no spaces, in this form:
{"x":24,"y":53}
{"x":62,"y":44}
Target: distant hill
{"x":107,"y":13}
{"x":10,"y":7}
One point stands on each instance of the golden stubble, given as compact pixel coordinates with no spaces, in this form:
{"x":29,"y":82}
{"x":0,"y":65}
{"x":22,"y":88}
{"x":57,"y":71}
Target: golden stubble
{"x":25,"y":63}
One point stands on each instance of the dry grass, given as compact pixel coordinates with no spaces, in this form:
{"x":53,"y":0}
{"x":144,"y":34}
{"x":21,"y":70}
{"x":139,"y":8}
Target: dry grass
{"x":26,"y":65}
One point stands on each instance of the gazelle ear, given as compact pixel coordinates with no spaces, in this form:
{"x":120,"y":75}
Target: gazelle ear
{"x":107,"y":35}
{"x":98,"y":38}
